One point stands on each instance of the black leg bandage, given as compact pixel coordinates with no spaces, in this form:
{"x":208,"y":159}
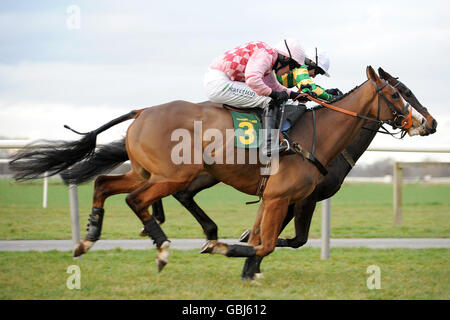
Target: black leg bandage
{"x":94,"y":229}
{"x":239,"y":250}
{"x":258,"y":264}
{"x":250,"y":267}
{"x":281,"y":242}
{"x":155,"y":232}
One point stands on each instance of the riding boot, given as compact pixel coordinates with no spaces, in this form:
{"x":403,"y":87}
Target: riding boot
{"x":270,"y":140}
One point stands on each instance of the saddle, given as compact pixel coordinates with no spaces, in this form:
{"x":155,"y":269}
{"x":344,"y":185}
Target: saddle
{"x":292,"y":113}
{"x":286,"y":119}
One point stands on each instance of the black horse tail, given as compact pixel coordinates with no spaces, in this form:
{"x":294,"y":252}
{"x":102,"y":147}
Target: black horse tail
{"x":106,"y":158}
{"x":53,"y":157}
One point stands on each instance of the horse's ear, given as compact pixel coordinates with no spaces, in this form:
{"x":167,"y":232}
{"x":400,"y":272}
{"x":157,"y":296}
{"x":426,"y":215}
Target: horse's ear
{"x":371,"y":74}
{"x":383,"y":74}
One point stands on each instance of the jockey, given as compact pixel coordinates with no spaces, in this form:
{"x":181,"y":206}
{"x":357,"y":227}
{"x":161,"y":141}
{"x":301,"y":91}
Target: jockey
{"x":315,"y":63}
{"x":245,"y":77}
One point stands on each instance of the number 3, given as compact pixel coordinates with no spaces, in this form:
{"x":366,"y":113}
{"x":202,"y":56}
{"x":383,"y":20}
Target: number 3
{"x":250,"y":132}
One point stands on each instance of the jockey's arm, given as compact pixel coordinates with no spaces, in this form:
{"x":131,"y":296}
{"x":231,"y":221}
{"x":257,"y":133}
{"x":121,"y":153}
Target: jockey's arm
{"x":301,"y":77}
{"x":257,"y":66}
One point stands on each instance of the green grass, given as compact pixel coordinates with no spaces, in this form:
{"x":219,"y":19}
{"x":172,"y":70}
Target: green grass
{"x":358,"y":210}
{"x":123,"y":274}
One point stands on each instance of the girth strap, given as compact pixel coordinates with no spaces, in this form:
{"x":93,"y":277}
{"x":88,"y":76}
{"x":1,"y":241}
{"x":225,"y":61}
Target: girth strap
{"x":306,"y":154}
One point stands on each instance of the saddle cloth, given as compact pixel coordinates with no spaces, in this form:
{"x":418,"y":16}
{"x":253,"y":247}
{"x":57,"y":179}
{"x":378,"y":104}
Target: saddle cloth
{"x":247,"y":123}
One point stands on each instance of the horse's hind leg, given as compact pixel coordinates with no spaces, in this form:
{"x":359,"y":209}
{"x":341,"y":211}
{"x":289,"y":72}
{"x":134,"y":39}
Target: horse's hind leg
{"x":139,"y":201}
{"x":238,"y":250}
{"x":186,"y":198}
{"x":104,"y":187}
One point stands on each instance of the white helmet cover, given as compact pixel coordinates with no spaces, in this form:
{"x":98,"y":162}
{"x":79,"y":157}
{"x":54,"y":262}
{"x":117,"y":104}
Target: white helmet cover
{"x":322,"y":57}
{"x":291,"y":48}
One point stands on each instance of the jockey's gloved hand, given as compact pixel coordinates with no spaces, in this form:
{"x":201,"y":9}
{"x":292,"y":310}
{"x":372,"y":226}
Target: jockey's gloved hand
{"x":279,"y":95}
{"x":305,"y":86}
{"x":334,"y":92}
{"x":312,"y":94}
{"x":294,"y":95}
{"x":303,"y":99}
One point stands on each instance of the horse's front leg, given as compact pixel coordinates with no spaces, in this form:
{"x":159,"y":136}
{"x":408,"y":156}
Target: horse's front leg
{"x":236,"y":250}
{"x":262,"y":240}
{"x":252,"y":264}
{"x":303,"y":212}
{"x":271,"y":220}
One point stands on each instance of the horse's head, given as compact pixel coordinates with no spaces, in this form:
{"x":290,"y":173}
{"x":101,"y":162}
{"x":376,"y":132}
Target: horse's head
{"x":430,"y":124}
{"x":392,"y":108}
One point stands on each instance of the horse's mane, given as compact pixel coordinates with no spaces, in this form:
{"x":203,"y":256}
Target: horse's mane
{"x":346,"y":94}
{"x":338,"y":98}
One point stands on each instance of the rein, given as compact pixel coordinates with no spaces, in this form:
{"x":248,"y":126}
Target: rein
{"x":402,"y":133}
{"x":405,"y":121}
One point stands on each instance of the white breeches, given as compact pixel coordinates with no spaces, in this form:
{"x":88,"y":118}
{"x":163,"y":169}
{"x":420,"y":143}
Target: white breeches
{"x":219,"y":88}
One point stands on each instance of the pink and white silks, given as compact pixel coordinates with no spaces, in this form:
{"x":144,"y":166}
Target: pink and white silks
{"x":243,"y":76}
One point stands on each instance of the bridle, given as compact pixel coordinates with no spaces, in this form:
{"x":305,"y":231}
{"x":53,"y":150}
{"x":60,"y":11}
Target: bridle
{"x":399,"y":121}
{"x":411,"y":98}
{"x":402,"y":120}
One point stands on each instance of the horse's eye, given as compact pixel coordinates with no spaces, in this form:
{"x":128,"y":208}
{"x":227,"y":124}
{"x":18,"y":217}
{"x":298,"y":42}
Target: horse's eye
{"x":395,"y":96}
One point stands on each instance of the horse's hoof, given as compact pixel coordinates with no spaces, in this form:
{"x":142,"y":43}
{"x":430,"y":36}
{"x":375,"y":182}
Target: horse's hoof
{"x":244,"y":236}
{"x":161,"y":264}
{"x":207,"y":247}
{"x":79,"y":250}
{"x":247,"y":277}
{"x":259,"y":276}
{"x":163,"y":255}
{"x":252,"y":281}
{"x":143,"y":233}
{"x":255,"y":283}
{"x":82,"y":247}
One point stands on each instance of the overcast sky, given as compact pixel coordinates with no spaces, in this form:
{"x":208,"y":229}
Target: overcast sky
{"x":133,"y":54}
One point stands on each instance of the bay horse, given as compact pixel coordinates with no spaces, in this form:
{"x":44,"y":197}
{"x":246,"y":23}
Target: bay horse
{"x":302,"y":211}
{"x":154,"y":175}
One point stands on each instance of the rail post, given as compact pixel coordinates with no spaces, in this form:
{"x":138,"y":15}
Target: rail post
{"x":74,"y":215}
{"x":45,"y":192}
{"x":325,"y":250}
{"x":398,"y":183}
